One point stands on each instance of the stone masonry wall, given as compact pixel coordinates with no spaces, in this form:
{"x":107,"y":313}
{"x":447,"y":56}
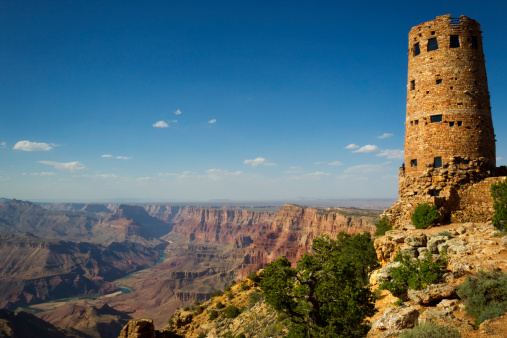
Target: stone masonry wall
{"x":449,"y":84}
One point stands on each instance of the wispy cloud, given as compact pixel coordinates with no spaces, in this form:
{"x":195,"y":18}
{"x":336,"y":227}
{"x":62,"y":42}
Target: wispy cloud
{"x":385,"y":135}
{"x":352,"y":146}
{"x":33,"y":146}
{"x":212,"y":121}
{"x":392,"y":154}
{"x":259,"y":161}
{"x":167,"y":174}
{"x":366,"y":168}
{"x":178,"y":112}
{"x":3,"y":145}
{"x":369,"y":148}
{"x":499,"y":158}
{"x":163,"y":124}
{"x":40,"y":174}
{"x":117,"y":157}
{"x":219,"y":174}
{"x":105,"y":176}
{"x":62,"y":166}
{"x":316,"y":176}
{"x":335,"y":163}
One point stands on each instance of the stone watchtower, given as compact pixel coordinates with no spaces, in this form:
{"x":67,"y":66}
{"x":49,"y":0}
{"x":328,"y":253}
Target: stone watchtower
{"x":449,"y":139}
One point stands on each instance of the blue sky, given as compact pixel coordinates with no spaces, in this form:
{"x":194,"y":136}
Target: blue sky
{"x":197,"y":100}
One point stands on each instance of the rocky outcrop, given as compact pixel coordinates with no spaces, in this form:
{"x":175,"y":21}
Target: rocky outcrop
{"x":23,"y":324}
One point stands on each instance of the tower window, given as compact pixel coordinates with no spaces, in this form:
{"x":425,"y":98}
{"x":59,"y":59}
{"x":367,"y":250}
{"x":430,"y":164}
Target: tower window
{"x":417,"y":50}
{"x":451,"y":124}
{"x":416,"y":122}
{"x":460,"y":123}
{"x":432,"y":44}
{"x":437,"y":162}
{"x":436,"y":118}
{"x":474,"y":42}
{"x":454,"y":41}
{"x":412,"y":85}
{"x":439,"y":81}
{"x":457,"y":161}
{"x":413,"y":163}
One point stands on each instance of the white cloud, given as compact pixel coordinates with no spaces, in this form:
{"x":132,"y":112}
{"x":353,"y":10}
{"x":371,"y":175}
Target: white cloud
{"x":366,"y":168}
{"x":258,"y":161}
{"x":352,"y":146}
{"x":40,"y":174}
{"x":393,"y":154}
{"x":62,"y":166}
{"x":101,"y":176}
{"x":3,"y":144}
{"x":32,"y":146}
{"x":317,"y":175}
{"x":385,"y":135}
{"x":212,"y":121}
{"x":160,"y":124}
{"x":369,"y":148}
{"x":167,"y":174}
{"x":336,"y":163}
{"x":143,"y":179}
{"x":499,"y":158}
{"x":117,"y":157}
{"x":178,"y":112}
{"x":218,"y":174}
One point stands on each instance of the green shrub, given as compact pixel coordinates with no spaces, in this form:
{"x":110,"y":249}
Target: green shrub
{"x":230,"y":295}
{"x":198,"y":309}
{"x":227,"y":289}
{"x":201,"y":335}
{"x":233,"y":282}
{"x":186,"y":308}
{"x":254,"y":297}
{"x":414,"y":273}
{"x":241,"y":335}
{"x":430,"y":330}
{"x":213,"y":314}
{"x":399,"y":302}
{"x":485,"y":295}
{"x":444,"y":233}
{"x":254,"y":277}
{"x":499,"y":194}
{"x":244,"y":285}
{"x":231,"y":311}
{"x":228,"y":334}
{"x":216,"y":293}
{"x":220,"y":305}
{"x":382,"y":226}
{"x":424,"y":215}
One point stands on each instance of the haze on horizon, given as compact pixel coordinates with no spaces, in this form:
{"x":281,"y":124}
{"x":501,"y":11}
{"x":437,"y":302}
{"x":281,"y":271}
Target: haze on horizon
{"x":199,"y":100}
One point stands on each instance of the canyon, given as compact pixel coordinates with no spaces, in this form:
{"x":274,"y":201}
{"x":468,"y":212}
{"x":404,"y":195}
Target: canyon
{"x":204,"y":248}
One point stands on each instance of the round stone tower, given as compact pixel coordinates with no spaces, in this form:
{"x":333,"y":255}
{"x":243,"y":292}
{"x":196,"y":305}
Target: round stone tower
{"x":448,"y":119}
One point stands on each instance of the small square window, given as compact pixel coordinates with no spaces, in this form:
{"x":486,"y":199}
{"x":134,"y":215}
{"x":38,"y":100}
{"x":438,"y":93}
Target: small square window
{"x":439,"y":81}
{"x":460,"y":123}
{"x":413,"y":163}
{"x":437,"y":162}
{"x":454,"y":41}
{"x":466,"y":161}
{"x":417,"y":50}
{"x":451,"y":124}
{"x":436,"y":118}
{"x":457,"y":161}
{"x":433,"y":33}
{"x":416,"y":122}
{"x":474,"y":42}
{"x":432,"y":44}
{"x":412,"y":85}
{"x":435,"y":193}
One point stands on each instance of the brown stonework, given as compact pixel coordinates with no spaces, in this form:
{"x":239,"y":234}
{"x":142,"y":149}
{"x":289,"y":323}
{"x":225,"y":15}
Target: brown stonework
{"x":450,"y":157}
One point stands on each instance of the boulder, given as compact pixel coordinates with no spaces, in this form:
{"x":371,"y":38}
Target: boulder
{"x":432,"y":293}
{"x":403,"y":317}
{"x":434,"y":242}
{"x":138,"y":328}
{"x":418,"y":240}
{"x":410,"y":251}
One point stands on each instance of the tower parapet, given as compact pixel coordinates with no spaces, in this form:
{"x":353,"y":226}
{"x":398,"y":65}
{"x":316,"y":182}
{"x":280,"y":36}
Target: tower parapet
{"x":449,"y":137}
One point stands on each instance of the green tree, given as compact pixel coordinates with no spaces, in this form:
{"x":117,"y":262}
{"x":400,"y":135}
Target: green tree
{"x":327,"y":293}
{"x":382,"y":226}
{"x":499,"y":194}
{"x":424,"y":215}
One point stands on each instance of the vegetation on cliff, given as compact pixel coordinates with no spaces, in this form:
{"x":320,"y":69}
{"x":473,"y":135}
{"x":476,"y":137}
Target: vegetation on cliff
{"x":424,"y":215}
{"x":499,"y":194}
{"x":327,"y":292}
{"x":485,"y":295}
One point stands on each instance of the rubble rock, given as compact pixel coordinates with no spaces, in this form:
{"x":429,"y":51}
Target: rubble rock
{"x":418,"y":240}
{"x":403,"y":317}
{"x":432,"y":293}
